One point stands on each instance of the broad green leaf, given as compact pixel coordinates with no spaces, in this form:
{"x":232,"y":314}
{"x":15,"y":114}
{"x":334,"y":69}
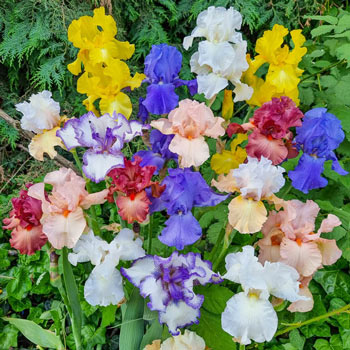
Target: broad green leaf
{"x":296,"y":339}
{"x":22,"y":284}
{"x":343,"y":53}
{"x":335,"y":342}
{"x":344,"y":317}
{"x":322,"y":344}
{"x":154,"y":332}
{"x":108,"y":315}
{"x":131,"y":331}
{"x":8,"y":337}
{"x":215,"y":297}
{"x":322,"y":30}
{"x":328,"y":19}
{"x":36,"y":334}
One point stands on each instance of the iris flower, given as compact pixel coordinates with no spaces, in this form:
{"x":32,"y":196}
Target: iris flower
{"x":290,"y":237}
{"x":104,"y":136}
{"x":169,"y":282}
{"x":256,"y":181}
{"x":184,"y":189}
{"x":162,"y":68}
{"x":63,"y":220}
{"x":105,"y":284}
{"x":318,"y":137}
{"x":41,"y":115}
{"x":249,"y":315}
{"x":221,"y":58}
{"x":27,"y":232}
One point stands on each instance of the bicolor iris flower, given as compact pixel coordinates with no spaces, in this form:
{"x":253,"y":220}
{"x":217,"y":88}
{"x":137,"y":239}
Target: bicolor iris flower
{"x":63,"y":220}
{"x":162,"y":68}
{"x":169,"y":282}
{"x":256,"y":180}
{"x":130,"y":184}
{"x":104,"y":286}
{"x":270,"y":124}
{"x":320,"y":134}
{"x":290,"y":237}
{"x":184,"y":189}
{"x":41,"y":115}
{"x":190,"y":122}
{"x":27,"y":235}
{"x":104,"y":136}
{"x":249,"y":315}
{"x":221,"y":58}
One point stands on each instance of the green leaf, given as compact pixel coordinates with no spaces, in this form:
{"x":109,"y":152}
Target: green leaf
{"x":336,"y":343}
{"x":19,"y":286}
{"x":343,"y":53}
{"x":328,"y":19}
{"x":209,"y":328}
{"x":296,"y":339}
{"x":215,"y":297}
{"x":36,"y":334}
{"x":342,"y":318}
{"x":4,"y":259}
{"x":131,"y":332}
{"x":108,"y":315}
{"x":72,"y":294}
{"x":8,"y":337}
{"x":322,"y":30}
{"x":154,"y":332}
{"x":322,"y":344}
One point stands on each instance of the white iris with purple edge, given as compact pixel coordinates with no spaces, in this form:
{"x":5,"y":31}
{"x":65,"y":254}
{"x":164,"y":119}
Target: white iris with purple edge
{"x":168,"y":282}
{"x":104,"y":136}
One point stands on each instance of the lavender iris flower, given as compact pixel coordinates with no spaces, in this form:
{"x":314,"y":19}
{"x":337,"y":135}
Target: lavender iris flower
{"x":159,"y":153}
{"x":168,"y":282}
{"x":319,"y":135}
{"x":104,"y":136}
{"x":184,"y":190}
{"x":162,"y":68}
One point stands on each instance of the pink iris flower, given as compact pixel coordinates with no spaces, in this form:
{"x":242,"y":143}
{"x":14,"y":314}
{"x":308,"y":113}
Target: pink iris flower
{"x":290,"y":237}
{"x":190,"y":122}
{"x":63,"y":219}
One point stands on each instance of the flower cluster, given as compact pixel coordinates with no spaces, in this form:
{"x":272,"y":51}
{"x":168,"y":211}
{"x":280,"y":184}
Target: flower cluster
{"x":282,"y":77}
{"x":105,"y":74}
{"x":159,"y":183}
{"x":168,"y":282}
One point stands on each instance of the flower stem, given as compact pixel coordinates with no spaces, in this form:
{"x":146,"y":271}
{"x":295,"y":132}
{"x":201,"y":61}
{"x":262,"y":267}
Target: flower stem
{"x":149,"y":248}
{"x":210,"y":102}
{"x":323,"y":70}
{"x":250,"y":109}
{"x":312,"y":320}
{"x":93,"y":220}
{"x":218,"y":242}
{"x":241,"y":347}
{"x":239,"y":109}
{"x":227,"y":241}
{"x":287,"y":191}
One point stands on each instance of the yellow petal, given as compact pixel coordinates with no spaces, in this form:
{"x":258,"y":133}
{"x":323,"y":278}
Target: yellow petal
{"x":120,"y":104}
{"x":283,"y":77}
{"x":45,"y":143}
{"x":246,"y":215}
{"x":298,"y":52}
{"x":227,"y":105}
{"x":225,"y":183}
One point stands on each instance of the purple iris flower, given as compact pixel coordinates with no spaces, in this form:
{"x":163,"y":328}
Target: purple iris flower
{"x":159,"y":153}
{"x":162,"y":68}
{"x":168,"y":282}
{"x":104,"y":136}
{"x":184,"y":190}
{"x":318,"y":137}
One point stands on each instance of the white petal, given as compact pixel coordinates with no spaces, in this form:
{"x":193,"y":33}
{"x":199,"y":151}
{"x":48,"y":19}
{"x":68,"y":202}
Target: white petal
{"x":249,"y":317}
{"x":68,"y":134}
{"x":243,"y":92}
{"x":196,"y":67}
{"x":282,"y":281}
{"x":155,"y":290}
{"x":139,"y":270}
{"x":178,"y":316}
{"x":211,"y":84}
{"x":97,"y":165}
{"x":104,"y":286}
{"x":88,"y":248}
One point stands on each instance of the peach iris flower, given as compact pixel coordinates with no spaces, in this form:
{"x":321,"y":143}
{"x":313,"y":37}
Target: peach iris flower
{"x":190,"y":122}
{"x":289,"y":237}
{"x":63,"y":219}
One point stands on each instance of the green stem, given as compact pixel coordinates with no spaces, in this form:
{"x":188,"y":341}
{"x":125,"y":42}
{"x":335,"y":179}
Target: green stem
{"x":210,"y":102}
{"x":239,"y":109}
{"x":250,"y":109}
{"x":322,"y":70}
{"x":149,"y":248}
{"x":312,"y":320}
{"x":241,"y":347}
{"x":94,"y":223}
{"x":287,"y":191}
{"x":226,"y":244}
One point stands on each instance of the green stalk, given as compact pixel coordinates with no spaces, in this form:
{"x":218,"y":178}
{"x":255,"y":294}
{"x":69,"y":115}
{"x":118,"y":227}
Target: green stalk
{"x":312,"y":320}
{"x":250,"y":109}
{"x":239,"y":109}
{"x":149,"y":248}
{"x":210,"y":102}
{"x":322,"y":70}
{"x":93,"y":220}
{"x":287,"y":191}
{"x":73,"y":302}
{"x":227,"y":241}
{"x":218,"y":242}
{"x":241,"y":347}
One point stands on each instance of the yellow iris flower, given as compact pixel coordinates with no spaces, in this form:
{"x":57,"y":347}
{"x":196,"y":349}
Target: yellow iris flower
{"x":282,"y":78}
{"x":105,"y":75}
{"x":223,"y":162}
